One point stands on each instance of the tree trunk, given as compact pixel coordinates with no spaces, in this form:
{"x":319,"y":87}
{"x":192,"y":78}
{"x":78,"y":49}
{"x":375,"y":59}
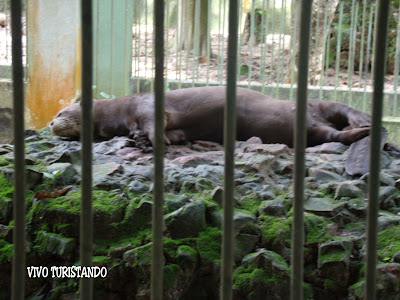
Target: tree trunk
{"x":321,"y":10}
{"x":258,"y":34}
{"x":187,"y":24}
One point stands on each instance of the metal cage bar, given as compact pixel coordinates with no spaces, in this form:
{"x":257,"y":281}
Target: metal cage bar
{"x":373,"y":178}
{"x":158,"y":191}
{"x":229,"y":145}
{"x":18,"y":267}
{"x":300,"y":145}
{"x":86,"y":218}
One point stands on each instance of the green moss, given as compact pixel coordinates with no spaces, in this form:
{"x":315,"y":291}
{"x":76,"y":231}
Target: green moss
{"x":388,"y":242}
{"x":171,"y":273}
{"x":316,"y":229}
{"x":187,"y":251}
{"x":245,"y":277}
{"x":44,"y":242}
{"x":4,"y":161}
{"x":136,"y":239}
{"x":329,"y":283}
{"x":250,"y":202}
{"x":358,"y":289}
{"x":6,"y":188}
{"x":100,"y":259}
{"x":104,"y":201}
{"x":6,"y":252}
{"x":209,"y":244}
{"x":332,"y":256}
{"x":274,"y":230}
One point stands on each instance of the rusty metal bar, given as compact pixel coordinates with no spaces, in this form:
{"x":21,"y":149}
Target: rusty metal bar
{"x":158,"y":191}
{"x":18,"y":267}
{"x":229,"y":144}
{"x":86,"y":220}
{"x":373,"y":178}
{"x":297,"y":258}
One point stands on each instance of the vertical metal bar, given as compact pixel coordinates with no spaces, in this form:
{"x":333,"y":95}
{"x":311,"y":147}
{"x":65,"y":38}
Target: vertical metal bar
{"x":229,"y":144}
{"x":158,"y":191}
{"x":86,"y":224}
{"x":300,"y":145}
{"x":373,"y":178}
{"x":18,"y":267}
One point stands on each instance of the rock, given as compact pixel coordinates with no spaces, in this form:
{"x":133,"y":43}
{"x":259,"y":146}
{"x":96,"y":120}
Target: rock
{"x":283,"y":167}
{"x":138,"y":216}
{"x":217,"y":195}
{"x":321,"y":206}
{"x":351,"y":189}
{"x":244,"y":244}
{"x":187,"y":221}
{"x":334,"y":259}
{"x":240,"y":220}
{"x":32,"y":177}
{"x":6,"y":233}
{"x":323,"y":175}
{"x":396,"y":257}
{"x":386,"y":220}
{"x":387,"y":285}
{"x":386,"y":197}
{"x":137,"y":186}
{"x":253,"y":140}
{"x":267,"y":260}
{"x":51,"y":243}
{"x":174,"y":202}
{"x":272,"y":149}
{"x":6,"y":210}
{"x":262,"y":275}
{"x":63,"y":173}
{"x":140,"y":258}
{"x":332,"y":148}
{"x":273,"y":208}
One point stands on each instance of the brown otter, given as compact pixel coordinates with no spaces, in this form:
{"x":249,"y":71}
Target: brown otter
{"x":197,"y":114}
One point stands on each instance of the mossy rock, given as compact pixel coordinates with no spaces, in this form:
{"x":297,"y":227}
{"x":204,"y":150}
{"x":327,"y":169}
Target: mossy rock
{"x":275,"y":234}
{"x":388,"y":243}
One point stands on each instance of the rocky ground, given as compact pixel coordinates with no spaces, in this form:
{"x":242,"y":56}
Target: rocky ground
{"x":335,"y":220}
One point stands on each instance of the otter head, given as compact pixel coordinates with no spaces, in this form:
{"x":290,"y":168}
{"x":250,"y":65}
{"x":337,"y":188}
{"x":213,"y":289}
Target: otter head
{"x":67,"y":122}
